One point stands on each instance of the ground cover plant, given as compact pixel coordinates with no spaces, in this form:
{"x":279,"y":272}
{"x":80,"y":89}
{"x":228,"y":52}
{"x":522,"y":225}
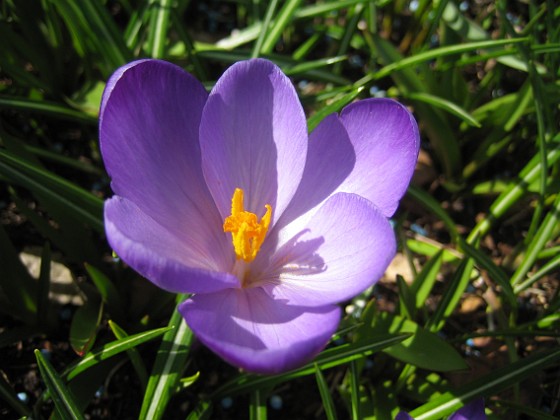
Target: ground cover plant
{"x":465,"y":315}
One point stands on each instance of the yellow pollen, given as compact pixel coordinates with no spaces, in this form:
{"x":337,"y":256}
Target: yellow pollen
{"x":247,"y":232}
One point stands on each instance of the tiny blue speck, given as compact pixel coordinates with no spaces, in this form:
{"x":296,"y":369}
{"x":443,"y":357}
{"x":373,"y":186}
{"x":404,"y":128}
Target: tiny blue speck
{"x":46,"y":354}
{"x":23,"y":397}
{"x":464,"y":6}
{"x":418,"y":229}
{"x":276,"y":402}
{"x":227,"y":402}
{"x":99,"y":392}
{"x":413,"y":5}
{"x":470,"y":342}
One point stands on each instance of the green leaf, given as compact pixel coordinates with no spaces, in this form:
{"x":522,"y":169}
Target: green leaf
{"x":63,"y":400}
{"x":423,"y":349}
{"x":109,"y":293}
{"x":85,"y":323}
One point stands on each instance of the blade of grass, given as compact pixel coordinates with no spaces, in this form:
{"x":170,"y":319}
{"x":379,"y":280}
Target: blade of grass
{"x":496,"y":381}
{"x":327,"y":359}
{"x":169,"y":364}
{"x":257,"y":48}
{"x":538,"y":242}
{"x":63,"y":400}
{"x":159,"y":25}
{"x":257,"y":405}
{"x":446,"y":105}
{"x":111,"y":349}
{"x":47,"y":108}
{"x":326,"y":397}
{"x":133,"y":355}
{"x":285,"y":15}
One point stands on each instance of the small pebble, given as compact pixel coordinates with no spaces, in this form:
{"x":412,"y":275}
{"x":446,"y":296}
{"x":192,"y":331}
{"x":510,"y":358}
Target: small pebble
{"x":276,"y":402}
{"x":226,"y":402}
{"x":99,"y":392}
{"x":23,"y":397}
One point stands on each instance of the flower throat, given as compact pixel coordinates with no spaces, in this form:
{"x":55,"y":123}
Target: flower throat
{"x":247,"y":232}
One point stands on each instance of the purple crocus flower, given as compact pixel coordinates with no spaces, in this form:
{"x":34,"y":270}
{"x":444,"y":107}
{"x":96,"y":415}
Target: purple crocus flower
{"x":224,"y":196}
{"x":471,"y":411}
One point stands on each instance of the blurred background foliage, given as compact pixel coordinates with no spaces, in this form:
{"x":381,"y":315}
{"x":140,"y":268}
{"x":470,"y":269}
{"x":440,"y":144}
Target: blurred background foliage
{"x":468,"y":309}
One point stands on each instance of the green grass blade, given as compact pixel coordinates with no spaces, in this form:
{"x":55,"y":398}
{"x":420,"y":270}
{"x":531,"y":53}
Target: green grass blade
{"x":257,"y":405}
{"x":452,"y":295}
{"x":427,"y":201}
{"x":63,"y":400}
{"x":111,"y":349}
{"x":325,"y":392}
{"x":548,"y":268}
{"x":284,"y":17}
{"x":355,"y":390}
{"x":264,"y":28}
{"x":9,"y":396}
{"x":327,"y":359}
{"x":496,"y":273}
{"x":169,"y":364}
{"x":133,"y":355}
{"x":446,"y":105}
{"x":159,"y":25}
{"x":81,"y":202}
{"x":335,"y":106}
{"x":508,"y":198}
{"x":324,"y":8}
{"x":424,"y":282}
{"x":538,"y":242}
{"x":47,"y":108}
{"x":496,"y":381}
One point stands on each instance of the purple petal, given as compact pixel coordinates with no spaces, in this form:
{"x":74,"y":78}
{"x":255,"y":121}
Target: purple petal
{"x":253,"y":136}
{"x":386,"y":142}
{"x":370,"y":150}
{"x":472,"y":411}
{"x":342,"y":250}
{"x":249,"y":329}
{"x":149,"y":140}
{"x":158,"y":254}
{"x":403,"y":416}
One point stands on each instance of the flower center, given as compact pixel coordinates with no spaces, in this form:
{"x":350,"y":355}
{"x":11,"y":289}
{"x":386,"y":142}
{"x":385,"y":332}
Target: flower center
{"x":247,"y":232}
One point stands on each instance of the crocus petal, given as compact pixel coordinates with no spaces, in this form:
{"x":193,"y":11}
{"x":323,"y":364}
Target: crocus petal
{"x":158,"y":254}
{"x":249,"y":329}
{"x":344,"y":248}
{"x":386,"y":142}
{"x":370,"y":150}
{"x":253,"y":136}
{"x":471,"y":411}
{"x":149,"y":123}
